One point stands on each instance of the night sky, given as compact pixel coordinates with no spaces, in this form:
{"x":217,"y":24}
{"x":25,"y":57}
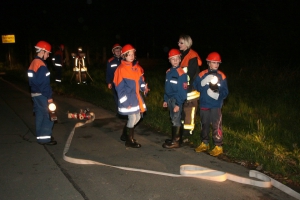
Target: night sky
{"x":238,"y":29}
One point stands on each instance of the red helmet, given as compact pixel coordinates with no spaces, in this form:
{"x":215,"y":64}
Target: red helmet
{"x":174,"y":52}
{"x":214,"y":56}
{"x":116,"y":46}
{"x":62,"y":47}
{"x":43,"y":46}
{"x":127,"y":48}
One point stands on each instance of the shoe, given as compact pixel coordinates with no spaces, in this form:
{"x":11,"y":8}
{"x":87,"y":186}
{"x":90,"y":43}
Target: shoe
{"x":123,"y":137}
{"x":175,"y":141}
{"x":171,"y":145}
{"x":130,"y":141}
{"x":132,"y":144}
{"x":202,"y":147}
{"x":216,"y":151}
{"x":167,"y":141}
{"x":53,"y":142}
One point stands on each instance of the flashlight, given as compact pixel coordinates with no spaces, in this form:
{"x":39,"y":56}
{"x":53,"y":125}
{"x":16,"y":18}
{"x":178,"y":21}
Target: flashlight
{"x":52,"y":114}
{"x":214,"y":80}
{"x":214,"y":85}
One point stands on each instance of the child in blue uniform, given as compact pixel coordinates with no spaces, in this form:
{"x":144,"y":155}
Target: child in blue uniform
{"x":212,"y":85}
{"x":41,"y":93}
{"x":111,"y":67}
{"x":174,"y":97}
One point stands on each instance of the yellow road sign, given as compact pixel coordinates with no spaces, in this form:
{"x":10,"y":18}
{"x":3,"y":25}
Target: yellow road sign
{"x":8,"y":38}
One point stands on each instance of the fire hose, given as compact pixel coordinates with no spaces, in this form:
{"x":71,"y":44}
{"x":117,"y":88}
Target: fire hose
{"x":186,"y":170}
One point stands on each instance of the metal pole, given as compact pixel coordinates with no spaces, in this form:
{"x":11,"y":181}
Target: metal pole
{"x":9,"y":57}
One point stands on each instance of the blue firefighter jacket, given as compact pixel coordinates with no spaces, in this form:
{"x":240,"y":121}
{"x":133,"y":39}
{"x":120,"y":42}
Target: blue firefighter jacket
{"x":111,"y":67}
{"x":128,"y":80}
{"x":176,"y":85}
{"x":39,"y":78}
{"x":205,"y":100}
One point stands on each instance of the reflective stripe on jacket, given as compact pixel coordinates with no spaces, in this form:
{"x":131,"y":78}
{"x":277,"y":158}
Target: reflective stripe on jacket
{"x":205,"y":100}
{"x":111,"y":67}
{"x":128,"y":80}
{"x":176,"y":85}
{"x":39,"y":78}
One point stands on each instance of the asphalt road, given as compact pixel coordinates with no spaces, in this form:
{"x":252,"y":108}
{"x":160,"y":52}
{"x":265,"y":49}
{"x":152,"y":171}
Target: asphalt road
{"x":32,"y":171}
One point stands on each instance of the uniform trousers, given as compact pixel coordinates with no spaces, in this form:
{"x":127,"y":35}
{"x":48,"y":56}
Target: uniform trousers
{"x":211,"y":117}
{"x":43,"y":124}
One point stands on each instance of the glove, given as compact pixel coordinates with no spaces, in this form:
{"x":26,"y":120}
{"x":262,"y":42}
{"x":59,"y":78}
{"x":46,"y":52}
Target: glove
{"x":206,"y":80}
{"x":212,"y":94}
{"x":214,"y":87}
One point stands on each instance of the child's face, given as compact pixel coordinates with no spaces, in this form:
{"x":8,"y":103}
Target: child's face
{"x":175,"y":61}
{"x":117,"y":52}
{"x":130,"y":56}
{"x":213,"y":65}
{"x":43,"y":54}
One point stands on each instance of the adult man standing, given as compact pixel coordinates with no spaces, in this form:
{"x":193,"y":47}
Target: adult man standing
{"x":80,"y":69}
{"x":111,"y":67}
{"x":59,"y":62}
{"x":41,"y":93}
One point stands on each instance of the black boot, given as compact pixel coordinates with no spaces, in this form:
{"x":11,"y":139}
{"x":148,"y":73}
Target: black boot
{"x":175,"y":143}
{"x":169,"y":140}
{"x":124,"y":133}
{"x":180,"y":134}
{"x":130,"y":141}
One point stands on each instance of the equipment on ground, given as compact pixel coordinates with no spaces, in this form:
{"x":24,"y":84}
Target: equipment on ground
{"x":83,"y":114}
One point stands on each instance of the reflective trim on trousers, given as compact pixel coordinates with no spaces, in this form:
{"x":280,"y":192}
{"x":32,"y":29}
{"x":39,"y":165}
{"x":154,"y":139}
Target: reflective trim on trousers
{"x":43,"y":124}
{"x":191,"y":125}
{"x":43,"y":137}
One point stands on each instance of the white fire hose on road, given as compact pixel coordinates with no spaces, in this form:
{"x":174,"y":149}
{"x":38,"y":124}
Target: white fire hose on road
{"x":193,"y":171}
